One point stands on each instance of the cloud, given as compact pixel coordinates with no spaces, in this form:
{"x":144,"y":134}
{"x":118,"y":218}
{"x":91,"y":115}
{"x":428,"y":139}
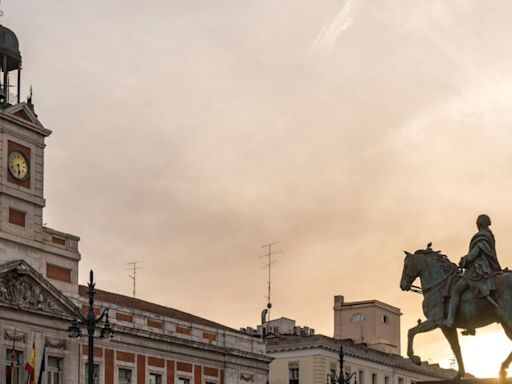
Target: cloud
{"x":331,"y":32}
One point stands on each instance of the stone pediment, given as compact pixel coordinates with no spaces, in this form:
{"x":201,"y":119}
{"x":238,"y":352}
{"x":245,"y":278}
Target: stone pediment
{"x":23,"y":288}
{"x":23,"y":113}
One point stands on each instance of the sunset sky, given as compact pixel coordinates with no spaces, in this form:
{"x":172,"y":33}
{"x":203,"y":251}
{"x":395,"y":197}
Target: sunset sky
{"x":186,"y":134}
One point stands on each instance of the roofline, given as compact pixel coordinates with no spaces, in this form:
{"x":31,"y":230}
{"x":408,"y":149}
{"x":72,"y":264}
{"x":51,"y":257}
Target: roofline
{"x":194,"y":318}
{"x":358,"y":351}
{"x":371,"y":302}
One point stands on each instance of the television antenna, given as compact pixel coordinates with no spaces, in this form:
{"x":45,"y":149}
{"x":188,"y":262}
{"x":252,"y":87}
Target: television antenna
{"x":268,"y":265}
{"x":134,"y":267}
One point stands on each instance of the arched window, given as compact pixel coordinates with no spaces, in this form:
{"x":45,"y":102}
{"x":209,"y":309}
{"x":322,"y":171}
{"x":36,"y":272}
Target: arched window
{"x":385,"y":319}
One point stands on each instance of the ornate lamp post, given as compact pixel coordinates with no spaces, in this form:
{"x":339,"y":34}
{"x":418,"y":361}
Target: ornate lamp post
{"x":341,"y":377}
{"x":90,"y":321}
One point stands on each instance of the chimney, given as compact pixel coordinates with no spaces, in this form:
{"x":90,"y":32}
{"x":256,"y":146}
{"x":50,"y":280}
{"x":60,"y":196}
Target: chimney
{"x":338,"y":308}
{"x":338,"y":301}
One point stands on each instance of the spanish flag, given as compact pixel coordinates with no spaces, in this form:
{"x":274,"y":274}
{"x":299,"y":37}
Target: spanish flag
{"x":30,"y":367}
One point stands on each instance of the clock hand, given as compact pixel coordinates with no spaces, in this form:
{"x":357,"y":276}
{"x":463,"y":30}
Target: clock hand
{"x":19,"y":170}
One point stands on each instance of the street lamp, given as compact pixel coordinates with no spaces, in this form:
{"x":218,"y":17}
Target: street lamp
{"x":90,"y":321}
{"x":341,"y":377}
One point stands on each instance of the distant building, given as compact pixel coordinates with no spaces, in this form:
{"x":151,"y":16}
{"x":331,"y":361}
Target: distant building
{"x":370,"y":334}
{"x":40,"y":294}
{"x":310,"y":359}
{"x":371,"y":322}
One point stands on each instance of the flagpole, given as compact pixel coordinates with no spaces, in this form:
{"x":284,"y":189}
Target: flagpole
{"x":42,"y":368}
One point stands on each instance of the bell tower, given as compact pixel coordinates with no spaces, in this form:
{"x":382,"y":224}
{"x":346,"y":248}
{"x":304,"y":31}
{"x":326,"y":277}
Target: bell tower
{"x":52,"y":253}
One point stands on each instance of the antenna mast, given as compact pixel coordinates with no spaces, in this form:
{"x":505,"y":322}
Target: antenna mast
{"x":134,"y":268}
{"x":268,"y":265}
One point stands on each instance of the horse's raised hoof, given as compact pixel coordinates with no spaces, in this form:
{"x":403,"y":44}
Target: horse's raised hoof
{"x":415,"y":360}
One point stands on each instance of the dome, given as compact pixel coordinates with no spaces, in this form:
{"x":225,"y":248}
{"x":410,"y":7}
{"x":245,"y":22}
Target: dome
{"x":9,"y":46}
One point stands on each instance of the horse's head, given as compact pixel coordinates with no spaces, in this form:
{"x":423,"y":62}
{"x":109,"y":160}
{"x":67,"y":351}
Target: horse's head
{"x":411,"y":271}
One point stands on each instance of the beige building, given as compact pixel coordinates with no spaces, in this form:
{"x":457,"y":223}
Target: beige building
{"x":310,"y":359}
{"x":371,"y":322}
{"x":370,"y":334}
{"x":40,"y":294}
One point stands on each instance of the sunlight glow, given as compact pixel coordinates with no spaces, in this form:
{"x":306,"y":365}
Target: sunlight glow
{"x":483,"y":353}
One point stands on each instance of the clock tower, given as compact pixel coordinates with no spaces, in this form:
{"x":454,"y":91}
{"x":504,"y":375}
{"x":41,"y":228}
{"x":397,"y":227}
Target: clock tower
{"x":52,"y":253}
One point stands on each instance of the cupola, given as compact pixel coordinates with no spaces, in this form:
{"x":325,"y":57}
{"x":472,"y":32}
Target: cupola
{"x":10,"y":60}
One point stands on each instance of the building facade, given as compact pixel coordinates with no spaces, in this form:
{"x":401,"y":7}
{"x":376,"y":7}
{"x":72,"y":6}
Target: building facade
{"x":40,"y":294}
{"x":369,"y":332}
{"x":372,"y":322}
{"x":313,"y":359}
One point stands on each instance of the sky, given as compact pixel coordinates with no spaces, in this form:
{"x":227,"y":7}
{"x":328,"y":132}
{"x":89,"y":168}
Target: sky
{"x":187,"y":134}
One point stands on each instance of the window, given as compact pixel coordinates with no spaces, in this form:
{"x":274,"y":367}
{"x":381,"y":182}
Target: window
{"x":54,"y":371}
{"x":155,"y":378}
{"x":374,"y":378}
{"x":182,"y":380}
{"x":357,"y":318}
{"x":386,"y":379}
{"x":293,"y":373}
{"x":124,"y":376}
{"x":96,"y":374}
{"x":400,"y":380}
{"x":361,"y":376}
{"x":385,"y":319}
{"x":17,"y":368}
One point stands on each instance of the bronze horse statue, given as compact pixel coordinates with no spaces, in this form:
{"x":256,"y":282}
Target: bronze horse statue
{"x":437,"y":275}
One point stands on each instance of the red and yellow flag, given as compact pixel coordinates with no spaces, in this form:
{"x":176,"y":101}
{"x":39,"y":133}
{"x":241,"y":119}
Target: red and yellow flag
{"x":30,"y":366}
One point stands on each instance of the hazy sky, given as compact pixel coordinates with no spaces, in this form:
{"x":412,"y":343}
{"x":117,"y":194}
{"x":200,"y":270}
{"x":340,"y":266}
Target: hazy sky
{"x":188,"y":133}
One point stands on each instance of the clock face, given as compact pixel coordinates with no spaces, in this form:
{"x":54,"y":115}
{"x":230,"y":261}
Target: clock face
{"x":18,"y":165}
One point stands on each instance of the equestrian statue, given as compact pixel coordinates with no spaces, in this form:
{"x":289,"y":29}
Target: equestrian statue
{"x":471,"y":295}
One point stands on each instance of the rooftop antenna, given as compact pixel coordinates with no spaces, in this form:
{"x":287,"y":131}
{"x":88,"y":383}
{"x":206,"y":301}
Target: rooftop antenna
{"x":268,"y":265}
{"x":134,"y":268}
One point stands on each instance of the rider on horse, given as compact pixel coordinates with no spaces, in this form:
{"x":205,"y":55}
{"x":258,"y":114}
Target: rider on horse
{"x":480,"y":263}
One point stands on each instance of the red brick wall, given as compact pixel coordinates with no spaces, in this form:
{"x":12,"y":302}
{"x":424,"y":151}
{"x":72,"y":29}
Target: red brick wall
{"x":58,"y":273}
{"x":155,"y":324}
{"x":170,"y":372}
{"x":22,"y":115}
{"x":109,"y":366}
{"x":156,"y":362}
{"x":85,"y":310}
{"x":124,"y":317}
{"x":184,"y":367}
{"x":198,"y":372}
{"x":58,"y":240}
{"x":17,"y":217}
{"x":213,"y":372}
{"x":125,"y":356}
{"x":98,"y":352}
{"x":182,"y":330}
{"x":209,"y":336}
{"x":141,"y":369}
